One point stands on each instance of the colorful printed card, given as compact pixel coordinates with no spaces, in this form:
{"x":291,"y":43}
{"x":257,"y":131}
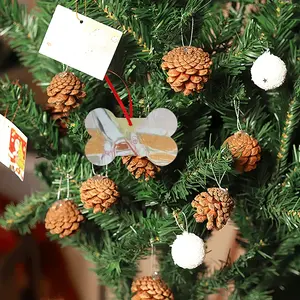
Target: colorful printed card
{"x":13,"y":147}
{"x":150,"y":137}
{"x":81,"y":43}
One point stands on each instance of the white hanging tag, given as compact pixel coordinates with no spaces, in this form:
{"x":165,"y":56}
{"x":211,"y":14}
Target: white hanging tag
{"x":80,"y":42}
{"x":13,"y":147}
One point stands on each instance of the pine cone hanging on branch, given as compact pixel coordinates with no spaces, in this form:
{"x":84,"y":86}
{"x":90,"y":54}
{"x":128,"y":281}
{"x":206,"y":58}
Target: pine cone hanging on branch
{"x":188,"y":69}
{"x":151,"y":289}
{"x":65,"y":93}
{"x":215,"y":206}
{"x":63,"y":218}
{"x":139,"y":166}
{"x":245,"y":151}
{"x":99,"y":193}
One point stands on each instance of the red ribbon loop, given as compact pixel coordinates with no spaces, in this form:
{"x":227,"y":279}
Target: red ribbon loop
{"x":127,"y":115}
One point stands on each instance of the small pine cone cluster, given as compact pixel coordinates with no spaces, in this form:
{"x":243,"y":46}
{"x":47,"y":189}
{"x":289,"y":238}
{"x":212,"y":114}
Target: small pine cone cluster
{"x":245,"y":151}
{"x":140,"y":166}
{"x":215,"y":206}
{"x":150,"y":288}
{"x":63,"y":218}
{"x":65,"y":93}
{"x":99,"y":193}
{"x":188,"y":69}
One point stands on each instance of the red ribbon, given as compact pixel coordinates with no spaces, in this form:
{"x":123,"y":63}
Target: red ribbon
{"x":127,"y":115}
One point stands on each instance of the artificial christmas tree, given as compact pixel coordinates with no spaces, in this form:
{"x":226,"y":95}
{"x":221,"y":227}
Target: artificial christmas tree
{"x":266,"y":199}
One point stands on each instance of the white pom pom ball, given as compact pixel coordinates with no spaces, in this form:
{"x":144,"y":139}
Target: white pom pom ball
{"x":268,"y":71}
{"x":188,"y":250}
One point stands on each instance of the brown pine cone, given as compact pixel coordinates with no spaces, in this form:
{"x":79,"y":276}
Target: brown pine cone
{"x":63,"y":218}
{"x":188,"y":69}
{"x":245,"y":151}
{"x":139,"y":166}
{"x":215,"y":206}
{"x":150,"y":288}
{"x":65,"y":93}
{"x":99,"y":193}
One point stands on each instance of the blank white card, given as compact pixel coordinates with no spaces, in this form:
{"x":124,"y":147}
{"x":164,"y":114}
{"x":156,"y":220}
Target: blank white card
{"x":81,"y":43}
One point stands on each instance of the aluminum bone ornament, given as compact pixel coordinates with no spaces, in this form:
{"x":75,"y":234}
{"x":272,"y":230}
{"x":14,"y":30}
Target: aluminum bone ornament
{"x":149,"y":137}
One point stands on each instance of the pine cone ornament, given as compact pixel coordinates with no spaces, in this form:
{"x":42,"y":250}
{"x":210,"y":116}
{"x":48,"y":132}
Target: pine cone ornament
{"x":151,"y":289}
{"x":65,"y":93}
{"x":188,"y":69}
{"x":215,"y":206}
{"x":99,"y":193}
{"x":139,"y":166}
{"x":245,"y":151}
{"x":63,"y":218}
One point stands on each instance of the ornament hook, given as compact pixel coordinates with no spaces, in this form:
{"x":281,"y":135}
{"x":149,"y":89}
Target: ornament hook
{"x":192,"y":33}
{"x":154,"y":272}
{"x":152,"y":255}
{"x":59,"y":188}
{"x":237,"y":111}
{"x":93,"y":170}
{"x":176,"y":217}
{"x":65,"y":68}
{"x":95,"y":174}
{"x":218,"y":182}
{"x":68,"y":186}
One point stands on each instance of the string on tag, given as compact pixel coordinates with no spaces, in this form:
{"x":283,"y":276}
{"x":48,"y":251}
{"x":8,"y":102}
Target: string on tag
{"x":176,"y":217}
{"x":237,"y":110}
{"x":81,"y":21}
{"x":15,"y":113}
{"x":6,"y":111}
{"x":14,"y":116}
{"x":127,"y":115}
{"x":192,"y":32}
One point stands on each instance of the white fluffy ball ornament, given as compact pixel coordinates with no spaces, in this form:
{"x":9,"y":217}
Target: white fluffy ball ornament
{"x":188,"y":250}
{"x":268,"y":71}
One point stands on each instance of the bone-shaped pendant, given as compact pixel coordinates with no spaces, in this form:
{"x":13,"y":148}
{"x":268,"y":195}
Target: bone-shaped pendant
{"x":150,"y":137}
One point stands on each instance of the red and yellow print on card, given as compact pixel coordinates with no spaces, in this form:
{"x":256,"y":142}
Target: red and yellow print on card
{"x":13,"y":147}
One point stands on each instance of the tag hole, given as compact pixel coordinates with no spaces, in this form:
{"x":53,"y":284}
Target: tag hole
{"x":81,"y":21}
